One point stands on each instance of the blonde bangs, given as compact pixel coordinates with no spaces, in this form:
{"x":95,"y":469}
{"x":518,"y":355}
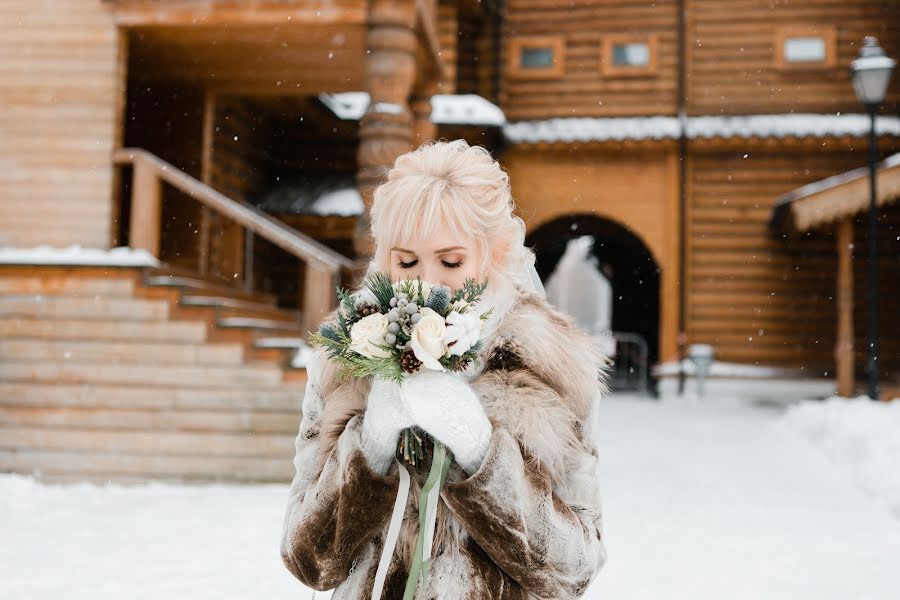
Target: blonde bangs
{"x":456,"y":185}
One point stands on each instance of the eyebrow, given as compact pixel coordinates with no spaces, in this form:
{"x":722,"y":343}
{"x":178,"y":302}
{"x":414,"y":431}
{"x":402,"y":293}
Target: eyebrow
{"x":442,"y":250}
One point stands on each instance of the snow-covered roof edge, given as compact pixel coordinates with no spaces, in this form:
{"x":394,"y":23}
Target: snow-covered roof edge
{"x":76,"y":255}
{"x":446,"y":109}
{"x":588,"y":129}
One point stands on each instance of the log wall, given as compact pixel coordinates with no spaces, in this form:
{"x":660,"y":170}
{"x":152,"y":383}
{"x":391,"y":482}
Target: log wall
{"x":583,"y":90}
{"x":732,"y":55}
{"x":764,"y":299}
{"x":59,"y":62}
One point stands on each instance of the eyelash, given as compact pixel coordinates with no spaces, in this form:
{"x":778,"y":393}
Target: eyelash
{"x":408,"y":265}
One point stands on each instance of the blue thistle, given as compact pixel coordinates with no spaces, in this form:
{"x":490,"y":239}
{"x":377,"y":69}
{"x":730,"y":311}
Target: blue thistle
{"x":439,"y":299}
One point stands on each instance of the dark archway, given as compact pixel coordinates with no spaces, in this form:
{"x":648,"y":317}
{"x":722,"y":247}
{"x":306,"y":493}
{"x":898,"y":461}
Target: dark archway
{"x":635,"y":273}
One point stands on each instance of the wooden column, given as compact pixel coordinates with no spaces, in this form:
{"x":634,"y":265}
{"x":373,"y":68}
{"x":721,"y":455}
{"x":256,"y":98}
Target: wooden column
{"x":146,"y":208}
{"x":386,"y":130}
{"x":844,"y":350}
{"x":319,"y":294}
{"x":423,"y":127}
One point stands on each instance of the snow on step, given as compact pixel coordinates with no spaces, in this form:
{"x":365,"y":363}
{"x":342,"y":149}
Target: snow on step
{"x":235,"y":421}
{"x":73,"y":307}
{"x":263,"y":375}
{"x":67,"y":286}
{"x":120,"y":352}
{"x":157,"y":443}
{"x":174,"y":331}
{"x":145,"y":466}
{"x":87,"y":395}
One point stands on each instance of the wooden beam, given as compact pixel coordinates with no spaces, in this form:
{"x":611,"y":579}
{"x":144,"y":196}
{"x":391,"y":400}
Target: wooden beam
{"x":132,"y":13}
{"x":844,"y":348}
{"x":318,"y":294}
{"x":146,"y":208}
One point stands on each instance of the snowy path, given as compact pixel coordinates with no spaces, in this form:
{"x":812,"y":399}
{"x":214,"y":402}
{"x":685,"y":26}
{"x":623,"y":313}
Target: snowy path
{"x":699,"y":502}
{"x":720,"y":502}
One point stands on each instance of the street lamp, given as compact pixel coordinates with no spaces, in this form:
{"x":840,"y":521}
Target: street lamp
{"x":871,"y":74}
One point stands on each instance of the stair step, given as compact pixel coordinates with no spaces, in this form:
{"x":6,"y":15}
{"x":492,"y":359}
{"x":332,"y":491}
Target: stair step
{"x":261,"y":312}
{"x":12,"y":349}
{"x":178,"y":443}
{"x":176,"y":398}
{"x":234,"y":421}
{"x":130,"y":467}
{"x":262,"y":375}
{"x":73,"y":307}
{"x":194,"y":284}
{"x":284,"y":342}
{"x":258,"y":323}
{"x":65,"y":286}
{"x":174,"y":331}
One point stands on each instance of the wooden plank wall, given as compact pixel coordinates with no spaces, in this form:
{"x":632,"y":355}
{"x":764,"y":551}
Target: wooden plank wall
{"x":732,"y":55}
{"x":583,"y":90}
{"x":888,"y":293}
{"x":59,"y":65}
{"x":166,"y":118}
{"x":241,"y":153}
{"x":757,"y":298}
{"x":479,"y":54}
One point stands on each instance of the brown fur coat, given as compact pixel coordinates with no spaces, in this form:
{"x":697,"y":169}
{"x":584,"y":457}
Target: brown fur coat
{"x":527,"y":524}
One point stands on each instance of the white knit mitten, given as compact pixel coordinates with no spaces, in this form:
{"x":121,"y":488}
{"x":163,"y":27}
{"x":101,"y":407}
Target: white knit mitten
{"x":384,"y":419}
{"x":445,"y":406}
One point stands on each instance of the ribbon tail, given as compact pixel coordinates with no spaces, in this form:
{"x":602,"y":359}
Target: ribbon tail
{"x":427,"y":519}
{"x":393,"y":532}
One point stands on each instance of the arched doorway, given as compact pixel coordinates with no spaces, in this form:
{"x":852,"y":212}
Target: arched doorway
{"x":626,"y":262}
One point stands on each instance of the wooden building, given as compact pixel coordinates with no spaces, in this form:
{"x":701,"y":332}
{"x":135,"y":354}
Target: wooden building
{"x":208,"y":133}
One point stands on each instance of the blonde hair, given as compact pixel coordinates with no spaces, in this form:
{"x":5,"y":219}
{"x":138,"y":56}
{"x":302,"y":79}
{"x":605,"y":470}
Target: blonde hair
{"x":461,"y":186}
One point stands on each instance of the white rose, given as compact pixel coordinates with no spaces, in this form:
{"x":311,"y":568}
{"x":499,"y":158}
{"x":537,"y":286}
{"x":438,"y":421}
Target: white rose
{"x":427,"y":339}
{"x":462,"y":332}
{"x":367,"y":335}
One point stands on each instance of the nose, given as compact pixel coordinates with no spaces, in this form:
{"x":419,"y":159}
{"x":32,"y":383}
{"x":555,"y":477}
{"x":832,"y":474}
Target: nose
{"x":433,"y":275}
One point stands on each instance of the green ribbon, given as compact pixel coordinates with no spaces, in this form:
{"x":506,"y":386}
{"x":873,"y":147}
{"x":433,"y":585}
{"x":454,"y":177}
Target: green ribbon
{"x":440,"y":465}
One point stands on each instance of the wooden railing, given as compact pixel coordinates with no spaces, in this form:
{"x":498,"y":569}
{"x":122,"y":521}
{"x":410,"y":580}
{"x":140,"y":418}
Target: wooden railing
{"x":325,"y":268}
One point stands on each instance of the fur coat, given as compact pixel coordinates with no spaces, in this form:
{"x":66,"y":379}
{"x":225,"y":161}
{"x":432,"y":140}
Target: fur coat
{"x":527,"y":524}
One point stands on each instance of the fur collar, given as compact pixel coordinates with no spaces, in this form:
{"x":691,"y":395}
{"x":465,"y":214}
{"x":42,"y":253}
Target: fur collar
{"x":538,"y":376}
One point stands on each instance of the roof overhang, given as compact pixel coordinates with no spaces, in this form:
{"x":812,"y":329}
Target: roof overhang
{"x":835,"y":198}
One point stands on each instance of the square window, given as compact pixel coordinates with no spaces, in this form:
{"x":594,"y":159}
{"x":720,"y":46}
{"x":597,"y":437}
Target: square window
{"x":805,"y":47}
{"x":631,"y":55}
{"x":536,"y":57}
{"x":628,"y":55}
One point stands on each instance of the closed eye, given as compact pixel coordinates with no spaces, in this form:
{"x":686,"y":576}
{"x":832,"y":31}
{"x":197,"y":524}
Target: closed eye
{"x":409,"y":265}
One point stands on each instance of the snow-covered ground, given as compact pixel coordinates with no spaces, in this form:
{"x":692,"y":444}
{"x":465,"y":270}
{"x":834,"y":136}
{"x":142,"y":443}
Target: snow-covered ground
{"x":701,"y":501}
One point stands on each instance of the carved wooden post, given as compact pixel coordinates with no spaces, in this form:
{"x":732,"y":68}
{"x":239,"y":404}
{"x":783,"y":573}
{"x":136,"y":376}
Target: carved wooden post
{"x":386,"y":130}
{"x":844,"y":351}
{"x":146,"y":208}
{"x":319,"y":297}
{"x":423,"y":128}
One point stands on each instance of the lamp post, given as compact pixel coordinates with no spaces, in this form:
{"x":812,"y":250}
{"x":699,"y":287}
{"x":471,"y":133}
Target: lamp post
{"x":871,"y":73}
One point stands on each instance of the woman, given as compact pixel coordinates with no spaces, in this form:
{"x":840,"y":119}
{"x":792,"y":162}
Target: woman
{"x":519,"y":515}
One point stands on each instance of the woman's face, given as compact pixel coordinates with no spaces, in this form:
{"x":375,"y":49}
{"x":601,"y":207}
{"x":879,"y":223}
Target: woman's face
{"x":441,"y":259}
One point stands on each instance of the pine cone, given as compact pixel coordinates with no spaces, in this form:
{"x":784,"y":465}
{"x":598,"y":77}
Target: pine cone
{"x":365,"y":309}
{"x":409,"y":362}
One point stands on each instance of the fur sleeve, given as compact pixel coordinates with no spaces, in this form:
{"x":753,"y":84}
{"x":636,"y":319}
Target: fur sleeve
{"x":336,"y":505}
{"x":548,"y":538}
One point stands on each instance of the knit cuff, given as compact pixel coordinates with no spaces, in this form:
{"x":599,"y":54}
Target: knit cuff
{"x":378,"y":448}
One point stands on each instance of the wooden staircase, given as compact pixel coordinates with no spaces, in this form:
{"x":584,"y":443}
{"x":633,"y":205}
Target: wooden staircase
{"x":126,"y":374}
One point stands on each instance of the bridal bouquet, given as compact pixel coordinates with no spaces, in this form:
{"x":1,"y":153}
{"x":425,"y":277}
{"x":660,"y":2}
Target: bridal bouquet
{"x":388,"y":329}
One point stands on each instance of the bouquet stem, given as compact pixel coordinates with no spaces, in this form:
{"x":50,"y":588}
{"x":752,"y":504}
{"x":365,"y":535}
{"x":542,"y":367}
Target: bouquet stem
{"x":428,"y":498}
